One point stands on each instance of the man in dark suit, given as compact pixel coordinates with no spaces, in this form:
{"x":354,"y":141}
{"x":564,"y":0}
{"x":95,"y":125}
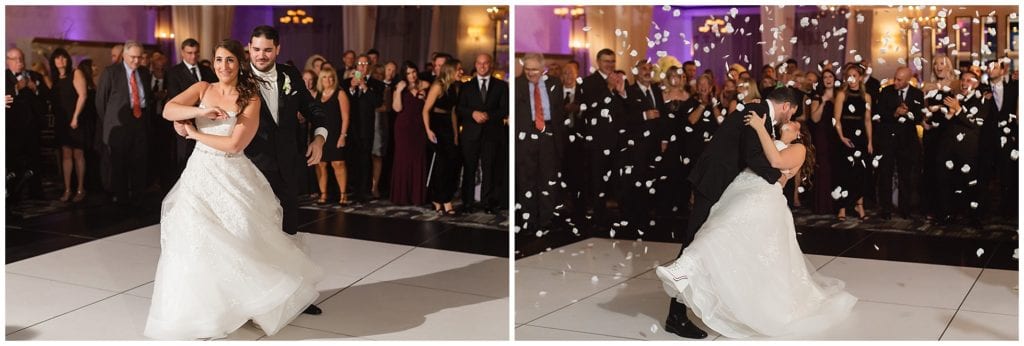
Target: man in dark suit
{"x":643,"y":145}
{"x":179,"y":78}
{"x":272,"y":150}
{"x":540,"y":128}
{"x":123,"y":101}
{"x":735,"y":147}
{"x":600,"y":105}
{"x":897,"y":147}
{"x":999,"y":139}
{"x":365,"y":95}
{"x":27,"y":97}
{"x":957,"y":151}
{"x":482,"y":108}
{"x":575,"y":163}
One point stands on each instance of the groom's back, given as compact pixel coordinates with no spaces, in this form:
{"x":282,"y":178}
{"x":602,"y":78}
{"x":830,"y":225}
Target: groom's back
{"x":722,"y":159}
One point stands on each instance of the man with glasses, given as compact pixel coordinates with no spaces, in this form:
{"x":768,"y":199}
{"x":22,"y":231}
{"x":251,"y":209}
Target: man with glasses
{"x":540,"y":133}
{"x":600,"y":105}
{"x":123,"y":101}
{"x":365,"y":95}
{"x":26,"y":103}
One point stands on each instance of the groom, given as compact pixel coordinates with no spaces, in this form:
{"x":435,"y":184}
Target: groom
{"x":272,"y":150}
{"x":733,"y":148}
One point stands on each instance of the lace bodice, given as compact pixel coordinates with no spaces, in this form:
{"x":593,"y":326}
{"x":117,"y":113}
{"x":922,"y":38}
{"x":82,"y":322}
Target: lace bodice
{"x":215,"y":127}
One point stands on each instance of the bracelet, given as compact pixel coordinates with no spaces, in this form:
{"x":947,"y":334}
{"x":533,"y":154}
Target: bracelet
{"x":344,"y":135}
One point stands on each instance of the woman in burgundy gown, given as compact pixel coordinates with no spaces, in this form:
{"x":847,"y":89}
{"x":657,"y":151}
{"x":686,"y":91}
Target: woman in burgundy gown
{"x":823,"y":134}
{"x":409,"y":176}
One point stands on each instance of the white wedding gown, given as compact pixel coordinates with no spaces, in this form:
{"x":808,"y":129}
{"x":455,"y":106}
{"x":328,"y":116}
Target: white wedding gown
{"x":745,"y":272}
{"x":224,"y":259}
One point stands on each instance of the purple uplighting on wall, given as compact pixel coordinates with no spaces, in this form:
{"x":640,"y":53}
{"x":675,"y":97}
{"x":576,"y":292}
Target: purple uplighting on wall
{"x":688,"y":21}
{"x":81,"y":23}
{"x":548,"y":33}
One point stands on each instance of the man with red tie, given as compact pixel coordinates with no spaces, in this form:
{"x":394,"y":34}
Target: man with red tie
{"x":540,"y":134}
{"x":123,"y":100}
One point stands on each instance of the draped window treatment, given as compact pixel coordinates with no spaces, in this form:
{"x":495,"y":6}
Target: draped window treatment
{"x":604,"y":20}
{"x":811,"y":39}
{"x":358,"y":23}
{"x":207,"y":24}
{"x":403,"y":33}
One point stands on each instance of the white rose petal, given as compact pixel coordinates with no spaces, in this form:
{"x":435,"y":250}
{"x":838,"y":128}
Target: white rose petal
{"x":966,"y":168}
{"x":949,"y":164}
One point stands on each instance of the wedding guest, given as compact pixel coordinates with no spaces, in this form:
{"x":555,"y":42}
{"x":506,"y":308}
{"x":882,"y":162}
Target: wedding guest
{"x":441,"y":126}
{"x":116,"y":53}
{"x":409,"y":180}
{"x":313,"y":63}
{"x":68,"y":100}
{"x":944,"y":84}
{"x":123,"y":99}
{"x":540,"y":127}
{"x":957,"y":149}
{"x":27,"y":103}
{"x":336,"y":106}
{"x":348,"y":64}
{"x":180,"y":77}
{"x":482,"y":107}
{"x":1000,"y":141}
{"x":852,"y":114}
{"x":823,"y":136}
{"x":897,"y":148}
{"x":431,"y":73}
{"x":366,"y":94}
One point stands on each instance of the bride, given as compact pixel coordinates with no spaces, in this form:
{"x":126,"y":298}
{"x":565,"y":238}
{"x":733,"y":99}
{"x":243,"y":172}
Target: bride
{"x":744,"y":273}
{"x":224,"y":259}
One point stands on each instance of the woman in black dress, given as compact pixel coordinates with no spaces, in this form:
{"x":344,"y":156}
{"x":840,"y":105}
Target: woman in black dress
{"x":678,"y":104}
{"x":852,"y":113}
{"x":336,"y":107}
{"x":442,"y":127}
{"x":69,"y":97}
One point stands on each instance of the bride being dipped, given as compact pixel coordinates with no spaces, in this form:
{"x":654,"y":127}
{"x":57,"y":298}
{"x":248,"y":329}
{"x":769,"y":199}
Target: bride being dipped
{"x":744,"y":273}
{"x":224,"y":260}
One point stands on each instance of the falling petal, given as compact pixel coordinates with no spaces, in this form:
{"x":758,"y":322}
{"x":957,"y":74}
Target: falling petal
{"x":980,"y":252}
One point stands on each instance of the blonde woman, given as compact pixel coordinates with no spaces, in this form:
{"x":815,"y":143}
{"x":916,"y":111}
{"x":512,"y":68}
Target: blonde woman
{"x":441,"y":127}
{"x":336,"y":107}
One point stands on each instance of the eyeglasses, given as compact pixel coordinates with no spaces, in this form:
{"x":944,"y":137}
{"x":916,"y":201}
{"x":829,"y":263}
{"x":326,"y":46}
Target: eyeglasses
{"x":362,"y":63}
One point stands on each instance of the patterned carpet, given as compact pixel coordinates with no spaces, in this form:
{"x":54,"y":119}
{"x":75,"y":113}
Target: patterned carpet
{"x":384,"y":208}
{"x":993,"y":228}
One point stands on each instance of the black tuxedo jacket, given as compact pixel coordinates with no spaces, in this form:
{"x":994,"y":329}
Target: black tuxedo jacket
{"x":889,"y":131}
{"x":28,"y":106}
{"x":363,"y":108}
{"x":273,"y":147}
{"x":496,"y":107}
{"x":636,"y":104}
{"x":603,"y":130}
{"x":178,"y":78}
{"x":734,"y":147}
{"x":524,"y":113}
{"x":114,"y":105}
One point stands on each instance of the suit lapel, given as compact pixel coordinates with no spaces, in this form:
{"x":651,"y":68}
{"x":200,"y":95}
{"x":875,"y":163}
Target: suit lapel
{"x":281,"y":97}
{"x":265,"y":116}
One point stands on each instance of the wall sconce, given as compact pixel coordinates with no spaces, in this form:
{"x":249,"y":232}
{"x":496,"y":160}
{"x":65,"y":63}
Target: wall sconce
{"x":296,"y":17}
{"x":164,"y":34}
{"x":475,"y":32}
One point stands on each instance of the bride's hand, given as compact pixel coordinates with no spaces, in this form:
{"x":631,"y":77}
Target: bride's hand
{"x":213,"y":113}
{"x":754,"y":120}
{"x":190,"y":130}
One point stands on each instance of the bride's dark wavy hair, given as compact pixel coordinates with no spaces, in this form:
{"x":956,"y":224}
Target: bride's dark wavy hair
{"x":807,"y":169}
{"x":248,"y":83}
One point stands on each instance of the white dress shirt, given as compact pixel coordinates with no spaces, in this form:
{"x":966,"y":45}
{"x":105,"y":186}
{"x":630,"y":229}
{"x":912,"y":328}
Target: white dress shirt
{"x":269,"y":92}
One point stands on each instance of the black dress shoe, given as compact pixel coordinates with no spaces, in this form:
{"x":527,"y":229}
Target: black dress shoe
{"x":312,"y":310}
{"x":684,"y":328}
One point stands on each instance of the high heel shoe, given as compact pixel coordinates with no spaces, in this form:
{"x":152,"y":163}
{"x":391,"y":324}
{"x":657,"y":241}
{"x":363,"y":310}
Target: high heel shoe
{"x":860,"y":211}
{"x":842,"y":215}
{"x":344,"y":200}
{"x":438,"y":209}
{"x":65,"y":196}
{"x":79,"y":196}
{"x":322,"y":199}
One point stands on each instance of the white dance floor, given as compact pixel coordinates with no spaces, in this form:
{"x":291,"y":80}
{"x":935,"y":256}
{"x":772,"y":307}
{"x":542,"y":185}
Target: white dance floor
{"x":602,"y":289}
{"x":101,"y":290}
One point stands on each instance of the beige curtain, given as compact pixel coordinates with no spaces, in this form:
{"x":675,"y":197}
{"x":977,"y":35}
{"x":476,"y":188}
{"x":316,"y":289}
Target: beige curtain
{"x":634,"y":24}
{"x":207,"y":24}
{"x":359,"y":23}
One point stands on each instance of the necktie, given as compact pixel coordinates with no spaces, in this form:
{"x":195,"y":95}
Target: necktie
{"x":568,"y":96}
{"x":650,"y":96}
{"x":483,"y":90}
{"x":136,"y":104}
{"x":902,"y":97}
{"x":538,"y":108}
{"x":195,"y":72}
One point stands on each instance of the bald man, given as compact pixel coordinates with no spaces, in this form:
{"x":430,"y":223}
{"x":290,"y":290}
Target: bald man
{"x":483,"y":108}
{"x":897,"y":147}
